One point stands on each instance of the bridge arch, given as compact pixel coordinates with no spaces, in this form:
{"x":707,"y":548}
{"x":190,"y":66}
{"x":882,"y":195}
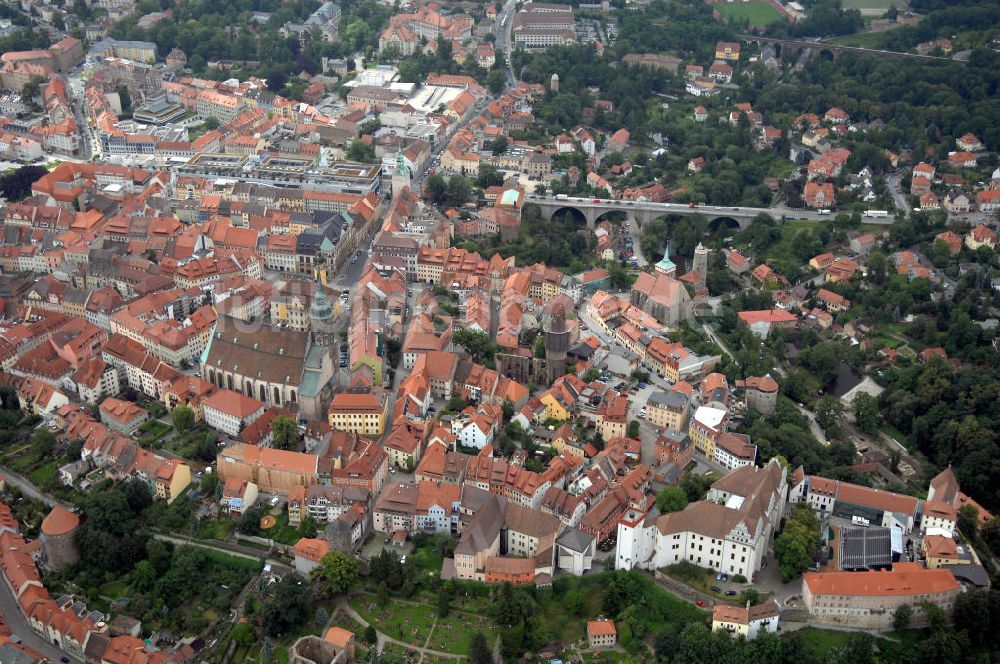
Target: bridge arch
{"x":614,"y":214}
{"x":723,"y":222}
{"x":578,"y":216}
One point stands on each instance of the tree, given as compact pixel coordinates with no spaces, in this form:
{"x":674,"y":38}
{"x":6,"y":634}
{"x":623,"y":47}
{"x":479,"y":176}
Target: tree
{"x":901,"y":618}
{"x":243,"y":635}
{"x":477,"y":344}
{"x":436,"y":188}
{"x":307,"y":527}
{"x":183,"y":418}
{"x":211,"y":123}
{"x":968,"y":520}
{"x":290,"y":607}
{"x":829,"y":411}
{"x":137,"y":495}
{"x":336,"y":574}
{"x":496,"y":81}
{"x":866,"y":413}
{"x":479,"y":650}
{"x":43,"y":443}
{"x":458,"y":191}
{"x":249,"y":523}
{"x":445,"y":595}
{"x":284,"y":433}
{"x":633,"y":429}
{"x":488,"y":176}
{"x":751,"y":596}
{"x":500,"y":145}
{"x":795,"y":546}
{"x":360,"y":151}
{"x":671,"y":499}
{"x":32,"y":88}
{"x":15,"y":186}
{"x":371,"y":635}
{"x":990,"y":532}
{"x":823,"y":359}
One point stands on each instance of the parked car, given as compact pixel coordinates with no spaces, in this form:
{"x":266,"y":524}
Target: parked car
{"x":700,"y":603}
{"x":730,"y":593}
{"x":716,"y":589}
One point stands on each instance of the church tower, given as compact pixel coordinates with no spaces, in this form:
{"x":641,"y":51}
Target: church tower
{"x":666,"y":266}
{"x":321,"y":318}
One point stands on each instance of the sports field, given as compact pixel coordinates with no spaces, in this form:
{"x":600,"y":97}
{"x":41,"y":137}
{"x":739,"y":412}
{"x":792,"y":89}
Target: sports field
{"x":868,"y":7}
{"x":757,"y":13}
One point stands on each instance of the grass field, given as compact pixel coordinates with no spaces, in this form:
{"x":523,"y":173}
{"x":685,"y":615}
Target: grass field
{"x":397,"y":652}
{"x":861,"y":40}
{"x":410,"y":623}
{"x":282,"y":532}
{"x":114,"y":590}
{"x":757,"y":13}
{"x":823,"y":641}
{"x":45,"y":475}
{"x":872,"y":6}
{"x":454,"y":633}
{"x":152,"y":432}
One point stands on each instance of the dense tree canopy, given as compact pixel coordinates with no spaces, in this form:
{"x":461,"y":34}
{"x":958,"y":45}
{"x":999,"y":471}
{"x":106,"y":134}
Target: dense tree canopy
{"x":951,"y":416}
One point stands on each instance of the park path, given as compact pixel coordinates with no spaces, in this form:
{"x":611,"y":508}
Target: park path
{"x":424,"y":651}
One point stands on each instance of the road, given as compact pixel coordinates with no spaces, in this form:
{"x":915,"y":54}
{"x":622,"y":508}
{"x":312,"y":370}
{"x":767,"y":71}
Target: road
{"x":814,"y":426}
{"x":504,"y":44}
{"x":636,"y":233}
{"x":893,"y":182}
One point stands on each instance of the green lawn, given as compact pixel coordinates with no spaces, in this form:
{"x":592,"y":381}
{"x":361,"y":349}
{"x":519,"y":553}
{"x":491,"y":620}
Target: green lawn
{"x":428,"y":559}
{"x":218,"y":529}
{"x":410,"y":623}
{"x":282,"y":532}
{"x":604,"y":657}
{"x":860,"y":39}
{"x":152,"y":432}
{"x":399,"y":652}
{"x":824,"y":641}
{"x":881,"y":5}
{"x":114,"y":590}
{"x":454,"y":633}
{"x":45,"y":475}
{"x":757,"y":13}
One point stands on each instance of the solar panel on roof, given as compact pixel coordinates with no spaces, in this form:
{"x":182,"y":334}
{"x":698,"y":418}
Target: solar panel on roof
{"x":865,"y":548}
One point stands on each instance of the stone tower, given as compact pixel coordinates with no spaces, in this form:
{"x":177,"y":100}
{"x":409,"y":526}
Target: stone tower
{"x":554,"y":84}
{"x":321,"y":318}
{"x":58,"y":533}
{"x":700,"y":266}
{"x":556,"y":344}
